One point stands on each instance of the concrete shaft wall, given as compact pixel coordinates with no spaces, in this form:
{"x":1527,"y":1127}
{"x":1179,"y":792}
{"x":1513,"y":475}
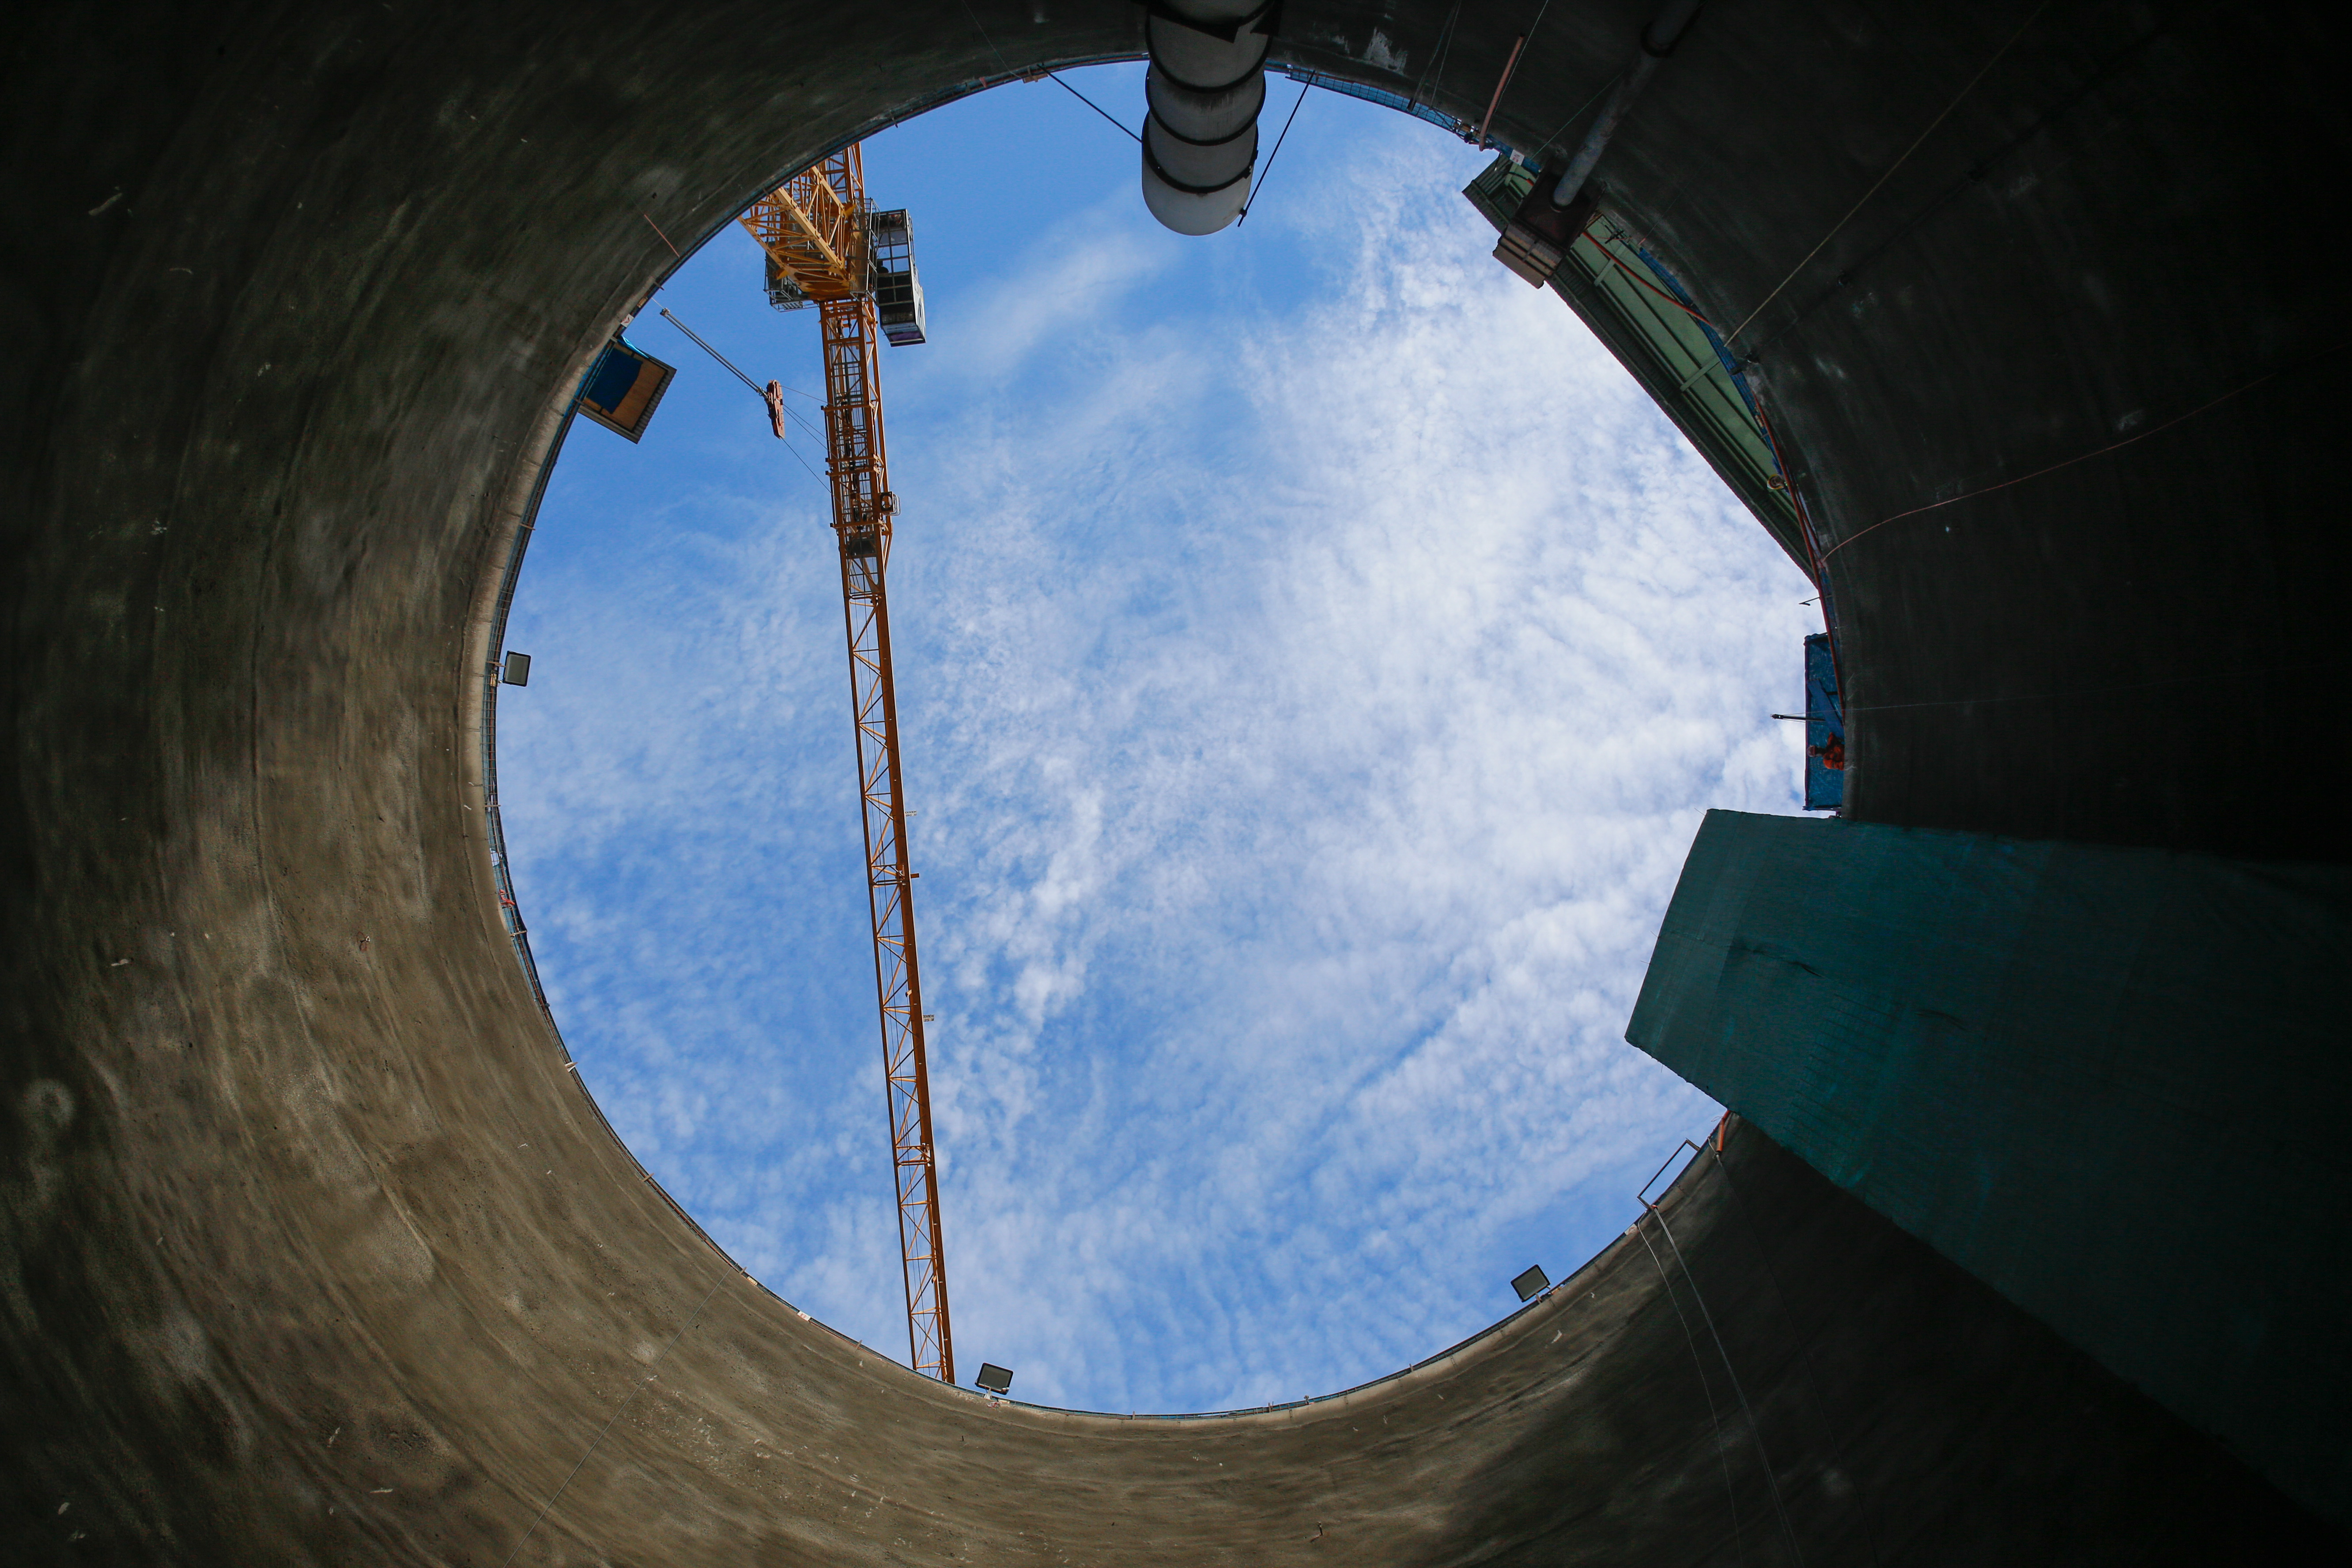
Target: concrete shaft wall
{"x":314,"y":1251}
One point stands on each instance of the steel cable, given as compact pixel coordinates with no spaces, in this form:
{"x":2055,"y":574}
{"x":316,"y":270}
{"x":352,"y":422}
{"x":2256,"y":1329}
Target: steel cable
{"x":1090,"y":103}
{"x":1889,"y":175}
{"x":1698,"y":1362}
{"x":1796,"y":1335}
{"x":1755,"y":1432}
{"x":1270,"y":157}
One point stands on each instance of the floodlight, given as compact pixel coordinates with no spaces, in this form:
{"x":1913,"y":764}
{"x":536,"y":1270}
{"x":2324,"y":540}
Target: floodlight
{"x":518,"y":671}
{"x":993,"y":1378}
{"x":1532,"y":1283}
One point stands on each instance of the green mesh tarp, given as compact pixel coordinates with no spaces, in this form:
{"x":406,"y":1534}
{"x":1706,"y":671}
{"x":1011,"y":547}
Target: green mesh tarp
{"x":2112,"y":1083}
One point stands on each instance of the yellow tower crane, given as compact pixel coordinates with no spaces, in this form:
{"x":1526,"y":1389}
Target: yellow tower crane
{"x":827,"y":246}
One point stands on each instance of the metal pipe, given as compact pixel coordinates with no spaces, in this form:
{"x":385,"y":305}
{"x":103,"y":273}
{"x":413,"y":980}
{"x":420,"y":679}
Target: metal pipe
{"x":1665,"y":29}
{"x":1204,"y":89}
{"x":1658,"y":41}
{"x":1493,"y":103}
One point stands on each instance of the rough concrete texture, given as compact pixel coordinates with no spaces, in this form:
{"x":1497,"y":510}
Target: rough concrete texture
{"x":315,"y":1252}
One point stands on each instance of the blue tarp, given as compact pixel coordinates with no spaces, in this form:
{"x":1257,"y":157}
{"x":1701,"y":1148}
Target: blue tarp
{"x":1825,"y":728}
{"x":613,"y":376}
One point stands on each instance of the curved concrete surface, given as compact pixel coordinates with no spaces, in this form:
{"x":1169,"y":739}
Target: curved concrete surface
{"x":314,"y":1251}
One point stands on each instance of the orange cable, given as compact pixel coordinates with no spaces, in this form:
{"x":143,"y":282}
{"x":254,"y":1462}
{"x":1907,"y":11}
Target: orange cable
{"x":1628,"y":269}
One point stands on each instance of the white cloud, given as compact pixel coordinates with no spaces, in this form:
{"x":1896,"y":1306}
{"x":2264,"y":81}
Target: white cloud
{"x":1078,"y":270}
{"x":1308,"y":709}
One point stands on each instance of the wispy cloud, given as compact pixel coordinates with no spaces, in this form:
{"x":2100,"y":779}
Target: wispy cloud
{"x":1312,"y":677}
{"x":1084,"y":265}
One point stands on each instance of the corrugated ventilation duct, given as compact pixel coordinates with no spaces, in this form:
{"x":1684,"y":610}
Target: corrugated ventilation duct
{"x":1205,"y":86}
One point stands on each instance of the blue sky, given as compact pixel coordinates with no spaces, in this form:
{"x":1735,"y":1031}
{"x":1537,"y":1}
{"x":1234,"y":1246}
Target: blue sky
{"x":1314,"y":658}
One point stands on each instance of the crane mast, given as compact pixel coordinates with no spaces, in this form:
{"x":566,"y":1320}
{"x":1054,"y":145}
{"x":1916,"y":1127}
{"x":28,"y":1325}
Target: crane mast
{"x":820,"y":234}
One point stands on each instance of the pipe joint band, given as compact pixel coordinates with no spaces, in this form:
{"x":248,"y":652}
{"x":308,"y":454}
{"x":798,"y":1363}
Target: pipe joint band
{"x":1224,"y":32}
{"x":1173,"y":184}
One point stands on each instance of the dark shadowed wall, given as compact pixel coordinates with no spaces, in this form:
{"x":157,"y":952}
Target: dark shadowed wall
{"x":297,"y":295}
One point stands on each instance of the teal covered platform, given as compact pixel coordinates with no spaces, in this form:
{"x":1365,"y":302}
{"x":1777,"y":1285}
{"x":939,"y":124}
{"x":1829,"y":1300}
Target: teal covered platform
{"x":2111,"y":1083}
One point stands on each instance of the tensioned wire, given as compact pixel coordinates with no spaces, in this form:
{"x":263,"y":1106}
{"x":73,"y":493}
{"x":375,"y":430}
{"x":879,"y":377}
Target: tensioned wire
{"x":756,"y":391}
{"x":1889,"y":173}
